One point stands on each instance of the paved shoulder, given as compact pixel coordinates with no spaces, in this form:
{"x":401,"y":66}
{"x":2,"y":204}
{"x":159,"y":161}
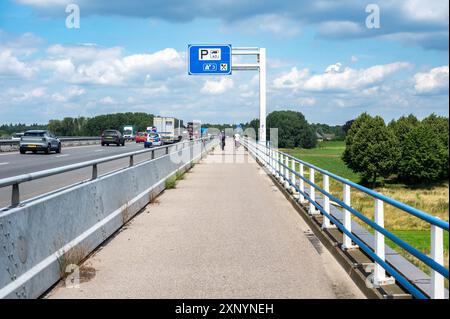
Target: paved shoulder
{"x":225,"y":232}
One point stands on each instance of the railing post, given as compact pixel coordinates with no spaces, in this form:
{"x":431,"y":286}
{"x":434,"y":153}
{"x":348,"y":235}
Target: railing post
{"x":437,"y":253}
{"x":293,"y":179}
{"x":347,"y":241}
{"x":94,"y":171}
{"x":167,"y":150}
{"x":277,"y":164}
{"x":15,"y":195}
{"x":326,"y":202}
{"x":281,"y":161}
{"x":379,"y":272}
{"x":287,"y":172}
{"x":153,"y":154}
{"x":302,"y":184}
{"x":312,"y":191}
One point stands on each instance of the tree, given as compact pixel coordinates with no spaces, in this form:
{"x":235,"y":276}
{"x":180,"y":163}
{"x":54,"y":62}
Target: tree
{"x":346,"y":127}
{"x":371,"y":148}
{"x":293,"y":129}
{"x":425,"y":152}
{"x":403,"y":126}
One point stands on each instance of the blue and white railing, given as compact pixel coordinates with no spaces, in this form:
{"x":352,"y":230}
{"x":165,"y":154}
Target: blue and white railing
{"x":290,"y":171}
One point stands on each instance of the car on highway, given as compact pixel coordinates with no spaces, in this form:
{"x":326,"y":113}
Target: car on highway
{"x":112,"y":137}
{"x":141,"y":137}
{"x":39,"y":140}
{"x":153,"y":139}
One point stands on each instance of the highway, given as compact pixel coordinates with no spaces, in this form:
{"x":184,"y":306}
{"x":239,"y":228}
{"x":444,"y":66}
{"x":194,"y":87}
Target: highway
{"x":13,"y":164}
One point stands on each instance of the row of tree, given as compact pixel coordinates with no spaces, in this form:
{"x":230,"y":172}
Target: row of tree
{"x":94,"y":126}
{"x":7,"y":130}
{"x":413,"y":151}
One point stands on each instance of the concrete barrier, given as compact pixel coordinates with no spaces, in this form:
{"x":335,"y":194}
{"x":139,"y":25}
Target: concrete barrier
{"x":43,"y":238}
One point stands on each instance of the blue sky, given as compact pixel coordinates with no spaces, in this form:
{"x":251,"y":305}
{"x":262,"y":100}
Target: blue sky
{"x":131,"y":56}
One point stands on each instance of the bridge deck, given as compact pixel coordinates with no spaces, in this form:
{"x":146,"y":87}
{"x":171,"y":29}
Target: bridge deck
{"x":225,"y":232}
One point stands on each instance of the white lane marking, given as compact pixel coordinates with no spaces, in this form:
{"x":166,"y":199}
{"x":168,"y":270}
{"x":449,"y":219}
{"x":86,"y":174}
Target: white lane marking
{"x":98,"y":151}
{"x":9,"y":153}
{"x":4,"y":163}
{"x":62,"y":155}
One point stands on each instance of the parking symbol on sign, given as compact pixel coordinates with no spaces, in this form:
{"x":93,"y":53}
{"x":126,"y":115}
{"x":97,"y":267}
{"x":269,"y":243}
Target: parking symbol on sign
{"x":223,"y":67}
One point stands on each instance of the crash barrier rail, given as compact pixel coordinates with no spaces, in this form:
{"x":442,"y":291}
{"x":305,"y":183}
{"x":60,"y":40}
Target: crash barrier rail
{"x":62,"y":139}
{"x":43,"y":238}
{"x":290,"y":171}
{"x":15,"y":181}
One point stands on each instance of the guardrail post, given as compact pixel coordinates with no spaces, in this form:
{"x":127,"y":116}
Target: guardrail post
{"x":379,"y":272}
{"x":293,"y":167}
{"x":167,"y":150}
{"x":94,"y":171}
{"x":287,"y":172}
{"x":153,"y":154}
{"x":281,"y":163}
{"x":326,"y":202}
{"x":437,"y":253}
{"x":302,"y":184}
{"x":347,"y":241}
{"x":312,"y":191}
{"x":131,"y":160}
{"x":277,"y":164}
{"x":15,"y":195}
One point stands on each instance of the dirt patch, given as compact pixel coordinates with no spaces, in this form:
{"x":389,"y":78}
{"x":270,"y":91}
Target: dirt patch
{"x":86,"y":273}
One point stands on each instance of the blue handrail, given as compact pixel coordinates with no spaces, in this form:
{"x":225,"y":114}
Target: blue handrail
{"x":413,"y":211}
{"x":412,"y":250}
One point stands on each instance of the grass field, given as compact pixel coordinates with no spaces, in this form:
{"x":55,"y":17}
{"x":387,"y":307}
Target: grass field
{"x":432,"y":199}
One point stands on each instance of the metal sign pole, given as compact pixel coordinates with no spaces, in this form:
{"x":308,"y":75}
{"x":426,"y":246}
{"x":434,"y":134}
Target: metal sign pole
{"x":261,"y":68}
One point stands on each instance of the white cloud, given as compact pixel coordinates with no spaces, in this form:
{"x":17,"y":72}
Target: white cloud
{"x":337,"y":79}
{"x":340,"y":28}
{"x":108,"y":100}
{"x":435,"y":11}
{"x":292,"y":79}
{"x":217,"y":87}
{"x":435,"y":81}
{"x":11,"y":66}
{"x":334,"y":68}
{"x":306,"y":101}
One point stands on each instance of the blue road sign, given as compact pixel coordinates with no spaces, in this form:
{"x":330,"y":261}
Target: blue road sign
{"x":209,"y":59}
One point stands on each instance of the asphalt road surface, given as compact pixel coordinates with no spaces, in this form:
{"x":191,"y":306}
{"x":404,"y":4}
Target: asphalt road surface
{"x":14,"y":163}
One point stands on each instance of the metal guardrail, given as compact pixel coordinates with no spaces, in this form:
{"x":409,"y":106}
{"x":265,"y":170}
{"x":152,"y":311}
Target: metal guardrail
{"x":48,"y":236}
{"x":15,"y":181}
{"x":62,"y":139}
{"x":284,"y":167}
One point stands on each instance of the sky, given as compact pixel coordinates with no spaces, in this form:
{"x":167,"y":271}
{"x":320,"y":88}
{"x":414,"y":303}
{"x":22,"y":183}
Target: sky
{"x":322,"y":58}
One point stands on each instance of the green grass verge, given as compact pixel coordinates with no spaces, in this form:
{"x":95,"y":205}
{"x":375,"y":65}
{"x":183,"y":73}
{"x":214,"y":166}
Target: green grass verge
{"x":430,"y":198}
{"x":327,"y":155}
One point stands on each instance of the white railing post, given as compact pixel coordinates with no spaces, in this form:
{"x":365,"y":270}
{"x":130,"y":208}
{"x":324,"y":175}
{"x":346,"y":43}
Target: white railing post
{"x":312,"y":191}
{"x":283,"y":169}
{"x":379,"y":272}
{"x":326,"y":201}
{"x":270,"y":161}
{"x":437,"y":253}
{"x":287,"y":172}
{"x":277,"y":164}
{"x":302,"y":184}
{"x":293,"y":177}
{"x":347,"y":241}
